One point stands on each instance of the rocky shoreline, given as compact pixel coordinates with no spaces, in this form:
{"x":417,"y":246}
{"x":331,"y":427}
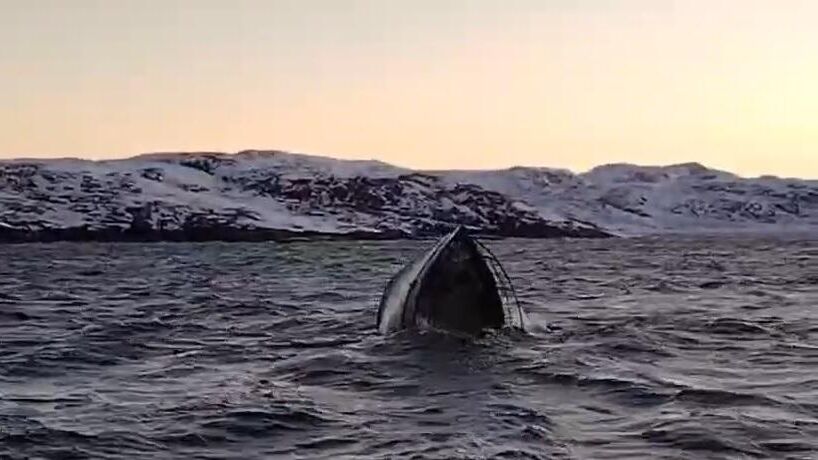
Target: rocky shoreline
{"x":279,"y":196}
{"x":258,"y":196}
{"x":228,"y":234}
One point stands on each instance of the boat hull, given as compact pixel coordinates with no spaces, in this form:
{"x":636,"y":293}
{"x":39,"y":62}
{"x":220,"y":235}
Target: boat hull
{"x":450,"y":287}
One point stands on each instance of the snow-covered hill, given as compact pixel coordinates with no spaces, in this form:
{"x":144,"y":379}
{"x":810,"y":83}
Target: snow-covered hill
{"x":637,"y":200}
{"x":268,"y":195}
{"x":251,"y":195}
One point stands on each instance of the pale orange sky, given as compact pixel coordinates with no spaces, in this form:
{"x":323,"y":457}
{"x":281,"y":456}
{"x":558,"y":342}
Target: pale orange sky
{"x":421,"y":83}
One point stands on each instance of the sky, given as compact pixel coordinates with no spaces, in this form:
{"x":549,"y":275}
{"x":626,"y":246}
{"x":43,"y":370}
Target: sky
{"x":428,"y":84}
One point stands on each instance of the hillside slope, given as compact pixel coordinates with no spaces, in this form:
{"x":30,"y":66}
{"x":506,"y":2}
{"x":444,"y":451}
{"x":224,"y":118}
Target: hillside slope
{"x":257,"y":195}
{"x":251,"y":195}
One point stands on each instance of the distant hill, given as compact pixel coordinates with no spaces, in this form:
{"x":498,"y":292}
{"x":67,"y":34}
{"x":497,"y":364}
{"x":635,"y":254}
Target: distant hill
{"x":260,"y":195}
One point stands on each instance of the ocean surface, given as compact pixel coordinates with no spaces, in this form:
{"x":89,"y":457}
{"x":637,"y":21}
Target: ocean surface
{"x":656,"y":348}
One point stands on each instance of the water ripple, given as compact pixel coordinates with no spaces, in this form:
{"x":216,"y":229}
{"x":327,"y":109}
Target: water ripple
{"x":675,"y":348}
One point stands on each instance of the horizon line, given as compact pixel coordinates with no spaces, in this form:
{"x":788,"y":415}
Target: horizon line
{"x":132,"y":156}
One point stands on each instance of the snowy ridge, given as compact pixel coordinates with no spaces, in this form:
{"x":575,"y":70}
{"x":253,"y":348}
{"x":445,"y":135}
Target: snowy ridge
{"x":249,"y":195}
{"x":638,"y":200}
{"x":270,"y":194}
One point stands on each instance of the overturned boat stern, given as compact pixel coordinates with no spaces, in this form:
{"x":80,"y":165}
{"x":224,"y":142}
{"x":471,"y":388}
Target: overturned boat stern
{"x":457,"y":285}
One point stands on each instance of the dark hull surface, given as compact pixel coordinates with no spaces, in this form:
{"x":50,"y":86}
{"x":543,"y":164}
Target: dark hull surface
{"x":450,"y":287}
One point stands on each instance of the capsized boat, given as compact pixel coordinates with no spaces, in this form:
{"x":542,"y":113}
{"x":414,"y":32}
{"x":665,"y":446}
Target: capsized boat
{"x":458,"y":285}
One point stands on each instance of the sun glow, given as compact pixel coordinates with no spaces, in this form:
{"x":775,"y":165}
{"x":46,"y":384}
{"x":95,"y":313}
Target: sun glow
{"x":456,"y":84}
